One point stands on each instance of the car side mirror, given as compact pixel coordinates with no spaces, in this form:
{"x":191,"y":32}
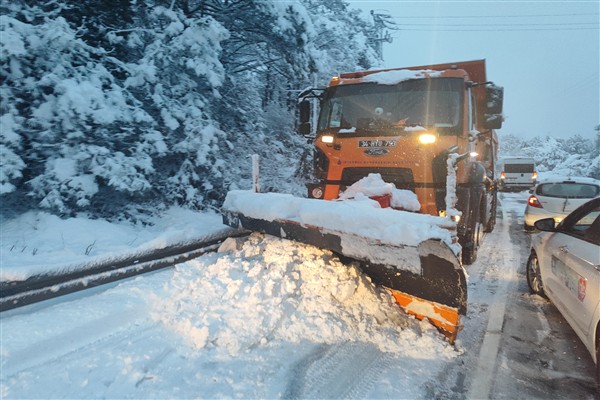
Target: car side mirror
{"x":546,"y":225}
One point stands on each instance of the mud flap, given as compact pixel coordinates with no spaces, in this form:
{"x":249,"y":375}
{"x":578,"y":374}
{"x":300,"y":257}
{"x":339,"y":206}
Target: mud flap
{"x":427,"y":280}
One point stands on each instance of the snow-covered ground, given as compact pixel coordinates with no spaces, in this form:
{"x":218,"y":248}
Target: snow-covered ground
{"x":38,"y":242}
{"x":262,"y":318}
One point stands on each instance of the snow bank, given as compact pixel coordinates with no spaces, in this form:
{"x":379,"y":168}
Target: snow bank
{"x":37,"y":242}
{"x":267,"y":289}
{"x":263,"y":319}
{"x":373,"y":185}
{"x":395,"y":77}
{"x":361,"y":217}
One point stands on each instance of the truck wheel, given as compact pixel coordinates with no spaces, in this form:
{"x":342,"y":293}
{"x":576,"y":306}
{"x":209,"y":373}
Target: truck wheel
{"x":469,"y":254}
{"x":491,"y":222}
{"x":489,"y":227}
{"x":470,"y":241}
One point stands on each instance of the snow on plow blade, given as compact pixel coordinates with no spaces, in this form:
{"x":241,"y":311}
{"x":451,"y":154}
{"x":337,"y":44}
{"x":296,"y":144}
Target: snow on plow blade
{"x":413,"y":255}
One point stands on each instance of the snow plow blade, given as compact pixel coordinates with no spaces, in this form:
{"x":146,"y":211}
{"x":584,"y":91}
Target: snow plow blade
{"x":424,"y":276}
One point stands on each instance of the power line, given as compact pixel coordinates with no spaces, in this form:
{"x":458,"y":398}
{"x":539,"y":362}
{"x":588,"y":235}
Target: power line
{"x":497,"y":16}
{"x":497,"y":30}
{"x":518,"y":24}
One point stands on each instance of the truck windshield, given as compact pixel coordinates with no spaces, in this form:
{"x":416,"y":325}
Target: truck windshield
{"x":369,"y":107}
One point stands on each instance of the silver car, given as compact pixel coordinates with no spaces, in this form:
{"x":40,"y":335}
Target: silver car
{"x":564,"y":265}
{"x":556,"y":198}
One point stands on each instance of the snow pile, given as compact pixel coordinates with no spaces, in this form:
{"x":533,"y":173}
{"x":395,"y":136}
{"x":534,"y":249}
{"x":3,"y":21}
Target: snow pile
{"x":397,"y":76}
{"x":273,"y":319}
{"x":37,"y":242}
{"x":416,"y":128}
{"x":373,"y":185}
{"x":272,"y":289}
{"x":360,"y":218}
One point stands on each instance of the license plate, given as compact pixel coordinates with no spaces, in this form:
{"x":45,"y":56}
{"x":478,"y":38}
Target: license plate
{"x":377,"y":143}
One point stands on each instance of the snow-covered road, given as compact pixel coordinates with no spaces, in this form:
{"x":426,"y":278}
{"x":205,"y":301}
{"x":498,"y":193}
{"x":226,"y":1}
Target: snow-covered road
{"x":266,"y":318}
{"x":273,"y":319}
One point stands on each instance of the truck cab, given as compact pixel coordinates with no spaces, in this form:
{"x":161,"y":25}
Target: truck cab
{"x":404,"y":124}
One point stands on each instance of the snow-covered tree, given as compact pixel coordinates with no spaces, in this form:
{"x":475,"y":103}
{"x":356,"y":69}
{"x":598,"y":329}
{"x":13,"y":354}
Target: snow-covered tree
{"x":575,"y":155}
{"x":112,"y":103}
{"x":70,"y":123}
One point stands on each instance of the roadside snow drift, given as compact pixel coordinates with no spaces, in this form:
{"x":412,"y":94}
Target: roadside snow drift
{"x":263,"y":318}
{"x":40,"y":243}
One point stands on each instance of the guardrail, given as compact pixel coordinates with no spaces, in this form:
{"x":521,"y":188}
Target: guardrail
{"x":43,"y":287}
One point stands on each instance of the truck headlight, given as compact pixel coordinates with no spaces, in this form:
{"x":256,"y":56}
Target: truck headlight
{"x":327,"y":139}
{"x":427,"y":138}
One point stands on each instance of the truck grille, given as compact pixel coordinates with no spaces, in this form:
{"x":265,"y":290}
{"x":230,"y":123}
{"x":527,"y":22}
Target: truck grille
{"x":401,"y":177}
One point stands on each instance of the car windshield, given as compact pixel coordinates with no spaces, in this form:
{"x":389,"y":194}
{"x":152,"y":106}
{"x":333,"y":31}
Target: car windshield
{"x":370,"y":107}
{"x":568,"y":190}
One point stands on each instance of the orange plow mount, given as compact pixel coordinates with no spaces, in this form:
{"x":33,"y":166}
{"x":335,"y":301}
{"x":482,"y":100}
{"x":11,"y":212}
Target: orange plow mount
{"x":411,"y":255}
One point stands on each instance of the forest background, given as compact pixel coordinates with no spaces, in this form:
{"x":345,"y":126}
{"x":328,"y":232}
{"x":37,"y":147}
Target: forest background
{"x":119,"y":109}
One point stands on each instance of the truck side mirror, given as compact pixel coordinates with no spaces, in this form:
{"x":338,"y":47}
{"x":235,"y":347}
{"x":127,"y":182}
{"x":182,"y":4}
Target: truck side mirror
{"x":493,"y":107}
{"x":304,"y":127}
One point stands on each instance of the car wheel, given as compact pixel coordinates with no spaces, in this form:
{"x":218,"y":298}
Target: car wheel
{"x":534,"y":278}
{"x":598,"y":359}
{"x":529,"y":228}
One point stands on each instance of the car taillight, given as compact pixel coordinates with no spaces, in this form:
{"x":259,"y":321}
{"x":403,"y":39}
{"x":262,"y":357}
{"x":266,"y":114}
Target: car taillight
{"x":502,"y":175}
{"x":534,"y":176}
{"x":534,"y":202}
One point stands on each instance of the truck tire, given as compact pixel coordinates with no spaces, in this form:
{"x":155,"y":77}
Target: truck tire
{"x":491,"y":222}
{"x":469,"y":255}
{"x":470,"y":242}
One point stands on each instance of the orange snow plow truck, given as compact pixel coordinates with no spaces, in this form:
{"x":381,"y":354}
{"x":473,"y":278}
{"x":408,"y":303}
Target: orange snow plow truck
{"x":426,"y":129}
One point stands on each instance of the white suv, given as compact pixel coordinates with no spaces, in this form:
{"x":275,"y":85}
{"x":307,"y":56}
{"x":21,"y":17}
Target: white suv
{"x":556,"y":198}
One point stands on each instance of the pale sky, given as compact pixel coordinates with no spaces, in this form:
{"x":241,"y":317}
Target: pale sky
{"x":544,"y":53}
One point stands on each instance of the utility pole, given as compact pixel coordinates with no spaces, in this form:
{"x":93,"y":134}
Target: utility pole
{"x":382,"y":23}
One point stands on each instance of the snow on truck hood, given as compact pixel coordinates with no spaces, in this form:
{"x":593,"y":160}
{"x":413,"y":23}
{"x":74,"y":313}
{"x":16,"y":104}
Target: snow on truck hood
{"x":362,"y":217}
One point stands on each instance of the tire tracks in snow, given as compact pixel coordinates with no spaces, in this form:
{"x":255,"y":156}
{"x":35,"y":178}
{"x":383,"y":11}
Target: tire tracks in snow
{"x":490,"y":279}
{"x":341,"y":371}
{"x":483,"y":377}
{"x":102,"y":333}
